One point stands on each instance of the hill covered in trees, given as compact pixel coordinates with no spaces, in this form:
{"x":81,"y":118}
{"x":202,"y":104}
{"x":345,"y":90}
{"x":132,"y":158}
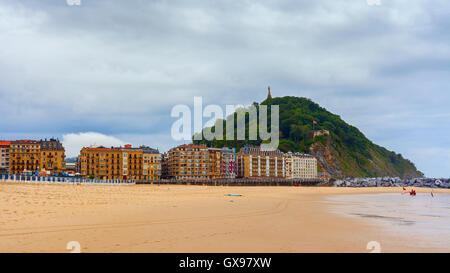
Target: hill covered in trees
{"x":344,"y":152}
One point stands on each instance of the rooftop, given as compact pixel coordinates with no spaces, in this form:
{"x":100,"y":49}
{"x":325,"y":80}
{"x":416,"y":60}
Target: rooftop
{"x":25,"y":141}
{"x":126,"y":147}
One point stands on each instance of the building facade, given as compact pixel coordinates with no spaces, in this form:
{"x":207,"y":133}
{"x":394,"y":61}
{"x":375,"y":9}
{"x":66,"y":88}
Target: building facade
{"x":229,"y":163}
{"x":253,"y":162}
{"x":4,"y":156}
{"x":152,"y":163}
{"x":317,"y":133}
{"x":300,"y":166}
{"x":165,"y":166}
{"x":24,"y":156}
{"x":215,"y":163}
{"x":52,"y":156}
{"x":124,"y":163}
{"x":189,"y":162}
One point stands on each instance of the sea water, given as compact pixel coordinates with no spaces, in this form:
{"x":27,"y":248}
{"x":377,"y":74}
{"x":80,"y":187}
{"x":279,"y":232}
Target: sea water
{"x":423,"y":218}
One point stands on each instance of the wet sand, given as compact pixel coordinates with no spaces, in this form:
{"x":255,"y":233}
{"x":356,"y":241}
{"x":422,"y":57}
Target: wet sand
{"x":151,"y":218}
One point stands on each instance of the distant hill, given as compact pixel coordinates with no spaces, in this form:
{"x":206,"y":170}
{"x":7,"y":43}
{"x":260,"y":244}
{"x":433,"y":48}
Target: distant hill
{"x":344,"y":152}
{"x":71,"y":160}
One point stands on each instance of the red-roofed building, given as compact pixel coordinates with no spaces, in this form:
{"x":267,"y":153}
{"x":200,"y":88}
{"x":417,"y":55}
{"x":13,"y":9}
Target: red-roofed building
{"x":143,"y":163}
{"x":24,"y":156}
{"x":36,"y":155}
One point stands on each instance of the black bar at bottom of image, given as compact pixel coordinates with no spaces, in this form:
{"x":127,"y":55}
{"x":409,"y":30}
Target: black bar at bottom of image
{"x":224,"y":262}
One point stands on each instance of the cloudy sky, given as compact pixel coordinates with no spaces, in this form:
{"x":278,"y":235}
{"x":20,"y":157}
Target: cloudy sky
{"x":109,"y":72}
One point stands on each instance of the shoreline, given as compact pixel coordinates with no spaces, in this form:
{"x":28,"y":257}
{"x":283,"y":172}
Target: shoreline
{"x":180,"y":218}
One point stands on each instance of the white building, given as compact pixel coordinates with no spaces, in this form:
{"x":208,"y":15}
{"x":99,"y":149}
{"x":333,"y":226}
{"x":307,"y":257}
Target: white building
{"x":300,"y":165}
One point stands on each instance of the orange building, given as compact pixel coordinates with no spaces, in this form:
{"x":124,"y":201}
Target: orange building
{"x":122,"y":163}
{"x":24,"y":156}
{"x":215,"y":163}
{"x":194,"y":162}
{"x":189,"y":162}
{"x":152,"y":163}
{"x":52,"y":156}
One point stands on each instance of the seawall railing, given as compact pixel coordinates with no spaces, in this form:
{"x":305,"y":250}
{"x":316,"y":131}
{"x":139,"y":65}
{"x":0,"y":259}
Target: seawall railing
{"x":31,"y":179}
{"x":238,"y":182}
{"x":28,"y":179}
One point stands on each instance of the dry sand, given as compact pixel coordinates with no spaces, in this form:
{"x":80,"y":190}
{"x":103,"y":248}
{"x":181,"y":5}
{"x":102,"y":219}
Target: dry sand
{"x":151,"y":218}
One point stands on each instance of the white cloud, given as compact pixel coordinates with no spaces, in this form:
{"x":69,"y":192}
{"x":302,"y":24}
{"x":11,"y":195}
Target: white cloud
{"x":75,"y":141}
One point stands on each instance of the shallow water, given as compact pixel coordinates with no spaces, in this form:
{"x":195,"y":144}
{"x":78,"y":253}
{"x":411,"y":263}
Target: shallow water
{"x":423,"y":218}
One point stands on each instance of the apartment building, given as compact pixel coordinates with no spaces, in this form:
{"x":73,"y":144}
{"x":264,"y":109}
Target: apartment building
{"x":4,"y":156}
{"x":254,"y":162}
{"x":165,"y":166}
{"x":52,"y":156}
{"x":152,"y":163}
{"x":24,"y":156}
{"x":215,"y":163}
{"x":228,"y":163}
{"x":300,"y":165}
{"x":189,"y":162}
{"x":143,"y":163}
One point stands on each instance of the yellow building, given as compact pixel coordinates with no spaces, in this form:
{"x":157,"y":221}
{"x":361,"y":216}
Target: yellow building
{"x":253,"y":162}
{"x":300,"y":165}
{"x":124,"y":163}
{"x":152,"y":164}
{"x":52,"y":156}
{"x":24,"y":156}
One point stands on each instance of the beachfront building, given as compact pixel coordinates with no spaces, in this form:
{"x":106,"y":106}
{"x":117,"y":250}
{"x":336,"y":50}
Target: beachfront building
{"x":254,"y":162}
{"x":215,"y":163}
{"x":101,"y":162}
{"x":228,"y":163}
{"x":52,"y":156}
{"x":4,"y":156}
{"x":24,"y":156}
{"x":300,"y":166}
{"x":152,"y":163}
{"x":124,"y":163}
{"x":36,"y":155}
{"x":165,"y":166}
{"x":189,"y":162}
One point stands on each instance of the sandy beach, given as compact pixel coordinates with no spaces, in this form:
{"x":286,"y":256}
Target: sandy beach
{"x":150,"y":218}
